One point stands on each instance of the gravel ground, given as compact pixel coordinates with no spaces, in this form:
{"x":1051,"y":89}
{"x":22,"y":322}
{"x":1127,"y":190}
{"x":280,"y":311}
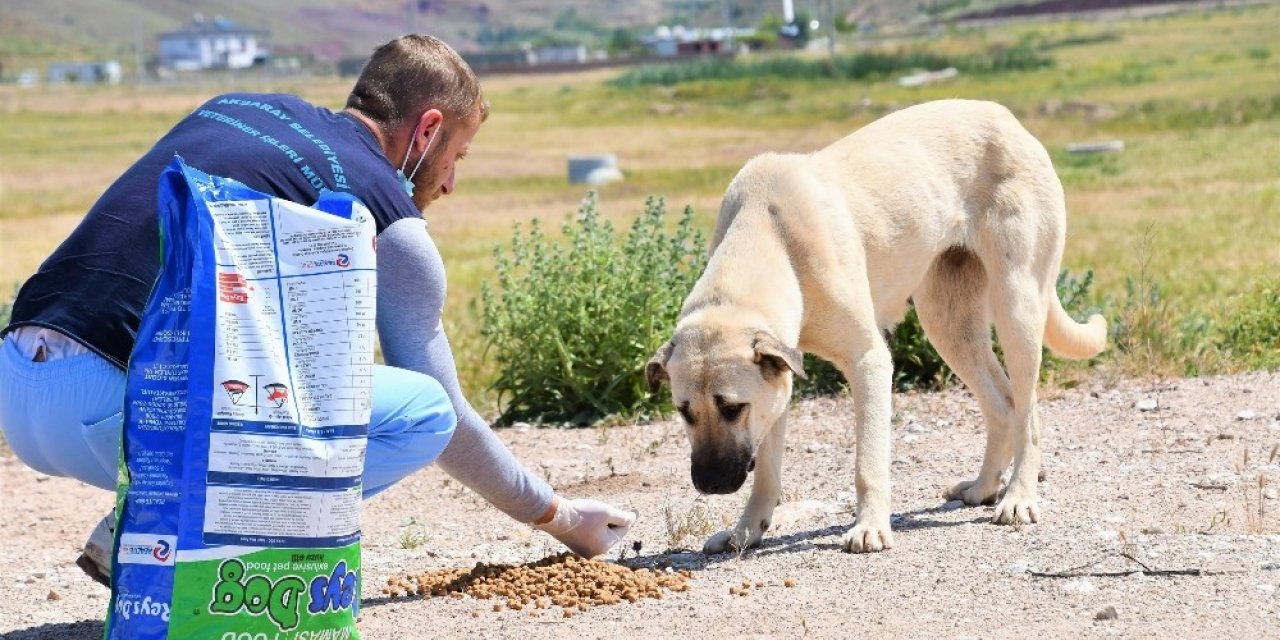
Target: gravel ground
{"x":1154,"y":526}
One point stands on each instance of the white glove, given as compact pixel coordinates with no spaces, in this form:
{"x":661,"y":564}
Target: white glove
{"x":588,"y":527}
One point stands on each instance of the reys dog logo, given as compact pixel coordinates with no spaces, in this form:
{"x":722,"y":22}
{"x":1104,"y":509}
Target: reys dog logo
{"x":129,"y":605}
{"x":240,"y":590}
{"x":341,"y":261}
{"x":146,"y":548}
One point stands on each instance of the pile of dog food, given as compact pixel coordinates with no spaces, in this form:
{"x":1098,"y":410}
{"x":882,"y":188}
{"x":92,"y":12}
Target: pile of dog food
{"x":567,"y":581}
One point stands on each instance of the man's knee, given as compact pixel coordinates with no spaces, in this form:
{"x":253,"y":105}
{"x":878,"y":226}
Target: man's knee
{"x":433,"y":408}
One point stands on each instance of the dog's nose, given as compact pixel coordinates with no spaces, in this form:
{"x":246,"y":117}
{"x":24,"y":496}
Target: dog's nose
{"x":717,"y":480}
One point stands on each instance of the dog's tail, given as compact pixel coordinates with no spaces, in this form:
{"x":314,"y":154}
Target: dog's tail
{"x":1070,"y":339}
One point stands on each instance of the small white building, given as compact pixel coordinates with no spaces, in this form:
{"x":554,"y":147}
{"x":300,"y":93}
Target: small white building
{"x":560,"y":54}
{"x":212,"y":44}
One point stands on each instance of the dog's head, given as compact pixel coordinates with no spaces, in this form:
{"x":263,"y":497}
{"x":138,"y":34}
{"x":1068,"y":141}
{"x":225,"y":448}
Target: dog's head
{"x":730,"y":383}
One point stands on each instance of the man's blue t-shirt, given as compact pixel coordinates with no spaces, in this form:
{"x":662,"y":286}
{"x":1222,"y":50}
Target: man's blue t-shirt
{"x":95,"y":285}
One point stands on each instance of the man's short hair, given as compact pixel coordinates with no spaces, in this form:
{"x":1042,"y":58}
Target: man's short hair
{"x":411,"y":74}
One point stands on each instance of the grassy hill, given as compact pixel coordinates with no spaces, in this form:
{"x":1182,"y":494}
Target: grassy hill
{"x":36,"y":32}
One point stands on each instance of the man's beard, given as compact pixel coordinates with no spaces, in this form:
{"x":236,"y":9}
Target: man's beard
{"x":433,"y":168}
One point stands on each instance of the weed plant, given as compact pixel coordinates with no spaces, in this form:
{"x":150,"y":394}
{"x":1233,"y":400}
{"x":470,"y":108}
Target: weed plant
{"x":570,"y":325}
{"x":1250,"y":336}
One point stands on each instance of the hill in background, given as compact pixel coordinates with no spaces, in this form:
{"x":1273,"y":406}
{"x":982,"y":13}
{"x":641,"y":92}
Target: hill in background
{"x":36,"y":32}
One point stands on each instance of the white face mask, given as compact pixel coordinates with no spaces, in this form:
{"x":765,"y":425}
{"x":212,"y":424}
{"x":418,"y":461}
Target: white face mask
{"x":407,"y":181}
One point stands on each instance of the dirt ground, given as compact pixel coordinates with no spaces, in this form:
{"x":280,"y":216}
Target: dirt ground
{"x":1155,"y":525}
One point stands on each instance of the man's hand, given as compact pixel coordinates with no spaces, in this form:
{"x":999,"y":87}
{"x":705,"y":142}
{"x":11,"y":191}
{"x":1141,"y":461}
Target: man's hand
{"x":588,"y":527}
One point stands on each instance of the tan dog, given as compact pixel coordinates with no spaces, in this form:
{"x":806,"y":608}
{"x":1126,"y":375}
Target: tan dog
{"x":951,"y":204}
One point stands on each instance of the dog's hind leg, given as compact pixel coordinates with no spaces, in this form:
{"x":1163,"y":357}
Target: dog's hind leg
{"x":952,"y":307}
{"x":1019,"y":308}
{"x":766,"y":493}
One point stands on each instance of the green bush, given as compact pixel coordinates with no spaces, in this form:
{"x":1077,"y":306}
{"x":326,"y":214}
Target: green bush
{"x":1250,"y":337}
{"x":916,"y":365}
{"x":570,"y":325}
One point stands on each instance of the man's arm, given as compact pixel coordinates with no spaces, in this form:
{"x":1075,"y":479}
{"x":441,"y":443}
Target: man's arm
{"x":411,"y":290}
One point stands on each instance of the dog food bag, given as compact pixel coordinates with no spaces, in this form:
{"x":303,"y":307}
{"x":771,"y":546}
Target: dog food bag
{"x":246,"y":417}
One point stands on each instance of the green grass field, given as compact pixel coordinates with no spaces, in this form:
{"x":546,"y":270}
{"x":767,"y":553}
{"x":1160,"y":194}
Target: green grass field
{"x":1191,"y":203}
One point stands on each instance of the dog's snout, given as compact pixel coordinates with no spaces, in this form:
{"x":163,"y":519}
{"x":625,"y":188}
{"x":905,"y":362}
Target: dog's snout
{"x":721,"y":474}
{"x":715,"y":481}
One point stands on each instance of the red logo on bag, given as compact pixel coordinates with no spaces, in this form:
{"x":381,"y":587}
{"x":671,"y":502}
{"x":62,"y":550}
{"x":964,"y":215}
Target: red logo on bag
{"x":233,"y":288}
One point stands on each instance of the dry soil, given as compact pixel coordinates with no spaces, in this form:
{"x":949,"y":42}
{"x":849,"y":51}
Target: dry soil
{"x":1159,"y":521}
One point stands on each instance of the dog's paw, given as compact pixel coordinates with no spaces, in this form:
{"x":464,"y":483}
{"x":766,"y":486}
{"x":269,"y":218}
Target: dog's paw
{"x":1017,"y":508}
{"x":732,"y":540}
{"x":867,"y":536}
{"x":974,"y":492}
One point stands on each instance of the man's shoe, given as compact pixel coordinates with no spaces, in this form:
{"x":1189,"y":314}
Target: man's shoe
{"x":96,"y":559}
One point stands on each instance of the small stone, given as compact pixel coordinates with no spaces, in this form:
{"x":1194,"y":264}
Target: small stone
{"x":916,"y":427}
{"x":1108,"y":613}
{"x":54,"y":595}
{"x":1270,"y":493}
{"x":1247,"y":414}
{"x":815,"y":447}
{"x":1267,"y":588}
{"x":1147,"y":404}
{"x":1154,"y":530}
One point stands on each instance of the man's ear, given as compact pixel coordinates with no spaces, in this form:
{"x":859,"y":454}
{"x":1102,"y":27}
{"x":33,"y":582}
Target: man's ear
{"x":655,"y":371}
{"x":426,"y":124}
{"x":771,"y":353}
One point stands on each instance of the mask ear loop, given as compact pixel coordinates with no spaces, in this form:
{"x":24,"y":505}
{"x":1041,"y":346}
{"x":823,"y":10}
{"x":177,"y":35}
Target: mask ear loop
{"x":422,"y":157}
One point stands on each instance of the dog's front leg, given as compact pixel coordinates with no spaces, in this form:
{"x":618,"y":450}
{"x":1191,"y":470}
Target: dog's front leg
{"x":766,"y":493}
{"x":871,"y":384}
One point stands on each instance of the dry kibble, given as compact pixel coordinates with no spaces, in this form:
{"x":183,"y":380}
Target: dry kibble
{"x":567,"y":581}
{"x":759,"y":583}
{"x":790,"y":582}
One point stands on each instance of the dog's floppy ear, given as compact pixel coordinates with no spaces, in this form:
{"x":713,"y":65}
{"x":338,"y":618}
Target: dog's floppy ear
{"x":656,"y":369}
{"x":771,"y":352}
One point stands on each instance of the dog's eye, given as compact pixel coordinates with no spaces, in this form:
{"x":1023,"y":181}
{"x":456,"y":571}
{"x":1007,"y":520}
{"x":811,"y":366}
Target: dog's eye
{"x":684,"y":413}
{"x":731,"y":412}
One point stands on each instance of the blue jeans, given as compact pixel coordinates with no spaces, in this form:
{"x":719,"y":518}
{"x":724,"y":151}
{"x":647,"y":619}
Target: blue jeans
{"x":64,"y":417}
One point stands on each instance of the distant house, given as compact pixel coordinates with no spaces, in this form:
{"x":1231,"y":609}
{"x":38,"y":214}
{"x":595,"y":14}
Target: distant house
{"x":212,"y":44}
{"x":560,"y":54}
{"x":669,"y":42}
{"x":108,"y":72}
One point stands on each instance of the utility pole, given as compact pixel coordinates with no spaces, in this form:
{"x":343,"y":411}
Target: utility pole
{"x":831,"y":29}
{"x":727,"y":9}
